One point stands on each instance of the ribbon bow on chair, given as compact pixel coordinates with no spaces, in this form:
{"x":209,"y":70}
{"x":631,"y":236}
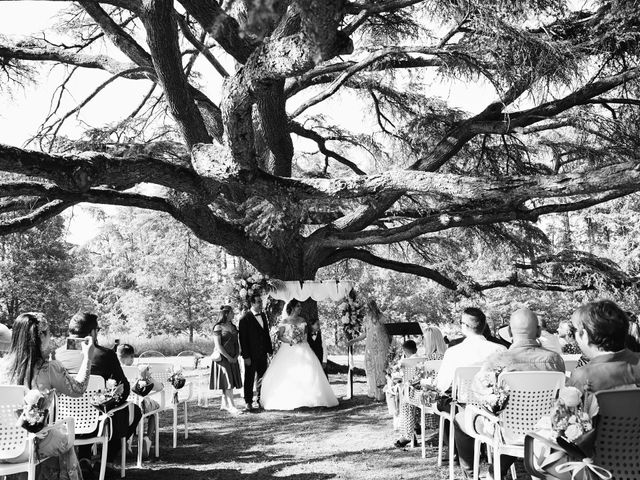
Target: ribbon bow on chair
{"x":585,"y":463}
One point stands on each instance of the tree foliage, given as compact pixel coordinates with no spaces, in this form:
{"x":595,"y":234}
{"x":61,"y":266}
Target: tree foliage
{"x":423,"y":190}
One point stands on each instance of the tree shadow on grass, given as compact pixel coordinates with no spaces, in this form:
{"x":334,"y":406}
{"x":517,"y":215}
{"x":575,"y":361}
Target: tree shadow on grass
{"x":187,"y":473}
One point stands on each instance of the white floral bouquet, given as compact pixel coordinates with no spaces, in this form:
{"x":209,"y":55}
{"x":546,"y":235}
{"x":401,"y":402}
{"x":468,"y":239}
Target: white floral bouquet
{"x":109,"y":398}
{"x":351,"y":313}
{"x":33,"y":416}
{"x":296,"y":335}
{"x":492,"y":396}
{"x":571,"y":419}
{"x":176,"y":377}
{"x":424,"y":384}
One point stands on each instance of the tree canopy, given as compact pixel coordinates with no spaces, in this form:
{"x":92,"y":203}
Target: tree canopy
{"x":558,"y":131}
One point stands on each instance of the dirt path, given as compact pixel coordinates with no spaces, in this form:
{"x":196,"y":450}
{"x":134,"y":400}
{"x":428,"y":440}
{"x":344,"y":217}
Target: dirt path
{"x":353,"y":441}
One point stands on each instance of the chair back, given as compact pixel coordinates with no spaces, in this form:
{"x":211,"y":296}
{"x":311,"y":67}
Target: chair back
{"x":161,"y":371}
{"x":461,"y":390}
{"x":531,"y":396}
{"x":13,"y":439}
{"x":188,"y":359}
{"x":85,"y":415}
{"x":150,"y":356}
{"x":130,"y":372}
{"x":410,"y":364}
{"x":617,"y":440}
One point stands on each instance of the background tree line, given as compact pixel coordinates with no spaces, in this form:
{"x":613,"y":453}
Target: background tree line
{"x":147,"y":275}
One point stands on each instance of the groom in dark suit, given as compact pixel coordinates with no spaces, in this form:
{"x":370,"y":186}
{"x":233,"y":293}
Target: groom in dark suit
{"x":255,"y":344}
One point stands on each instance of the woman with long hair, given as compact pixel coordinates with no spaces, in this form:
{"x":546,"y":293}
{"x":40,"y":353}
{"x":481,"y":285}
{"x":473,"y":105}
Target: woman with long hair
{"x":295,"y":377}
{"x":376,"y":349}
{"x":27,"y":364}
{"x":225,"y":371}
{"x":434,"y":346}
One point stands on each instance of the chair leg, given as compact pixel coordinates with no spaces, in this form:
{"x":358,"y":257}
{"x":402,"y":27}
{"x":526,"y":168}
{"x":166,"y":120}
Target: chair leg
{"x":514,"y":474}
{"x":451,"y":448}
{"x":123,"y":456}
{"x":175,"y":425}
{"x":440,"y":440}
{"x":476,"y":458}
{"x":496,"y":464}
{"x":140,"y":442}
{"x":31,"y":472}
{"x":157,"y":439}
{"x":103,"y":459}
{"x":423,"y":436}
{"x":186,"y":422}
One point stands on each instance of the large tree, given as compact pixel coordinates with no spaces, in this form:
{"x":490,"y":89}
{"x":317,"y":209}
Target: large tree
{"x":559,"y":134}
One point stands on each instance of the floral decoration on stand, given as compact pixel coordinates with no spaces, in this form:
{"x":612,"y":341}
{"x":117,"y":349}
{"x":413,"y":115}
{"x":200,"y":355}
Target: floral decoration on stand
{"x":492,"y":396}
{"x":143,"y":384}
{"x":351,"y":315}
{"x":33,"y":416}
{"x":109,"y":398}
{"x":245,"y":288}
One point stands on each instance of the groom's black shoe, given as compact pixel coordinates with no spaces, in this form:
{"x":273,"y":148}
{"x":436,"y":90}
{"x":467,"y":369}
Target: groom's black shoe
{"x":249,"y":408}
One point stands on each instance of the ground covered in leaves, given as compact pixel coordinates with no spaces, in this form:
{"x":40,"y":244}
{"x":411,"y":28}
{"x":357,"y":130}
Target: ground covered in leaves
{"x":353,"y":441}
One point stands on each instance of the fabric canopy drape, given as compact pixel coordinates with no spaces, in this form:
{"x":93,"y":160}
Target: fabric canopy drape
{"x":316,"y":289}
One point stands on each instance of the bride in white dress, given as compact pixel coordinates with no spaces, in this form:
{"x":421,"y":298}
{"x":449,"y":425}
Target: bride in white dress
{"x":295,"y":377}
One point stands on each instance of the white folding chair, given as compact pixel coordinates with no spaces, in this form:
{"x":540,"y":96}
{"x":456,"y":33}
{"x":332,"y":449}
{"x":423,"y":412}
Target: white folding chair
{"x":90,"y":421}
{"x":461,"y":394}
{"x":170,"y":398}
{"x":531,"y":396}
{"x":15,"y":441}
{"x":132,"y":374}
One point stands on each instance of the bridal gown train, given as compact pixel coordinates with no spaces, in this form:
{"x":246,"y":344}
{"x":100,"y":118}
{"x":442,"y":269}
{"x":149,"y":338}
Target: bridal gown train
{"x":295,"y":379}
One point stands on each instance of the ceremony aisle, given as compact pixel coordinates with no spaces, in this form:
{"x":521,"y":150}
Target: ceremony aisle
{"x":353,"y":441}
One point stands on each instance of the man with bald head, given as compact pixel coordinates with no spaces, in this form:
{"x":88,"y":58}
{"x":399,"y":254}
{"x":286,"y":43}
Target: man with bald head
{"x":524,"y":354}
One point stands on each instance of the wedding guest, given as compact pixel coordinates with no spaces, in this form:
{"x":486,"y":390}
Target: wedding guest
{"x":5,"y":339}
{"x":126,"y":356}
{"x":525,"y":354}
{"x":106,"y":365}
{"x":567,"y":338}
{"x":225,"y":370}
{"x":410,"y":349}
{"x":633,"y":338}
{"x":434,"y":345}
{"x":486,"y":333}
{"x":547,"y":339}
{"x":314,"y":338}
{"x":27,"y":364}
{"x":601,"y":332}
{"x":376,"y":349}
{"x":473,"y":350}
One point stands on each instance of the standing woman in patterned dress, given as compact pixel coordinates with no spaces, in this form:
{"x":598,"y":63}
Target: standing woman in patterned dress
{"x":225,"y":371}
{"x":376,"y":349}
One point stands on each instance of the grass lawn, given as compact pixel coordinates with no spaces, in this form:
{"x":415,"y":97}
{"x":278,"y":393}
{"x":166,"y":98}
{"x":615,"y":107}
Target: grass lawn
{"x":353,"y":441}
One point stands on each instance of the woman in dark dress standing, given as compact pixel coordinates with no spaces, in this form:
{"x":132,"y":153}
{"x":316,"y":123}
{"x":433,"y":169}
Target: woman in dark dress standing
{"x":225,"y":371}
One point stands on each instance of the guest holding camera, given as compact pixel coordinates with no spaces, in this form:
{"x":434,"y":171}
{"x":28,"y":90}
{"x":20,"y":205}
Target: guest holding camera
{"x":105,"y":364}
{"x":27,"y":364}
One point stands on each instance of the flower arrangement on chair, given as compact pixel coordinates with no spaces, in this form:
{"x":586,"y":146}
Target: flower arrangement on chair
{"x":109,"y":398}
{"x":423,"y":385}
{"x":143,"y":384}
{"x":176,"y":379}
{"x":33,"y":416}
{"x":570,"y":418}
{"x":493,"y":396}
{"x":351,"y":313}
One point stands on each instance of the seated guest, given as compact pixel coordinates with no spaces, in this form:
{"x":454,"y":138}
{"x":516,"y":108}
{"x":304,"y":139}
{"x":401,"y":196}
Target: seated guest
{"x":633,"y":338}
{"x":525,"y":354}
{"x":486,"y":333}
{"x":105,"y":364}
{"x":601,"y":332}
{"x":547,"y":339}
{"x":567,"y":337}
{"x":126,"y":355}
{"x":410,"y":349}
{"x":434,"y":344}
{"x":27,"y":364}
{"x":473,"y":350}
